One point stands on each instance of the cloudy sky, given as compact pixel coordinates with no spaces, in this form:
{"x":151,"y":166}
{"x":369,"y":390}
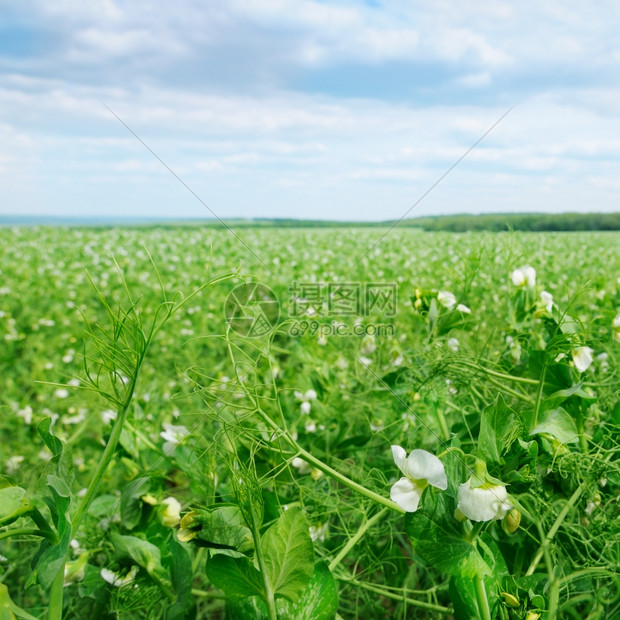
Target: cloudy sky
{"x":339,"y":110}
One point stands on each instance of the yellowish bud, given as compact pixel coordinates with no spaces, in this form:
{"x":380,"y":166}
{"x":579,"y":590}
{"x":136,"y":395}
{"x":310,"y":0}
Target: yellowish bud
{"x":510,"y":599}
{"x":511,"y":521}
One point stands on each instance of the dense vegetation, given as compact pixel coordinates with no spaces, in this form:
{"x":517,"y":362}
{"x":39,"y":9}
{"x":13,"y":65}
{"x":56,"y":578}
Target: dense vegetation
{"x":451,"y":454}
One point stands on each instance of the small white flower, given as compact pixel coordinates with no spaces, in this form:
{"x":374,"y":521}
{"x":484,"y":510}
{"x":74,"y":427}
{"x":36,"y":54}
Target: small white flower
{"x":547,"y":300}
{"x":420,"y":468}
{"x":524,"y":276}
{"x":310,"y":426}
{"x":12,"y":464}
{"x":115,"y":580}
{"x":172,"y":434}
{"x":485,"y":503}
{"x":582,"y":358}
{"x":310,"y":395}
{"x":171,"y":515}
{"x":463,"y":308}
{"x":446,"y":299}
{"x":365,"y":361}
{"x":61,"y":393}
{"x":301,"y":466}
{"x":368,"y":345}
{"x":305,"y":407}
{"x":318,"y":532}
{"x":616,"y":327}
{"x":26,"y":413}
{"x":453,"y":344}
{"x":108,"y":415}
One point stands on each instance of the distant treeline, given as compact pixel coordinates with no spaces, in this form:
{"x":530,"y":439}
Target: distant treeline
{"x":534,"y":222}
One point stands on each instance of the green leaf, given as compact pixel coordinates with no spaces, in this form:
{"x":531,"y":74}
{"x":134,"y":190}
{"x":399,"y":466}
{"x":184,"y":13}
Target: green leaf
{"x":288,"y":554}
{"x":52,"y":559}
{"x":237,"y":577}
{"x":52,"y":442}
{"x":8,"y":609}
{"x":559,"y":425}
{"x":435,"y":538}
{"x":222,"y":528}
{"x":182,"y":575}
{"x":131,"y":502}
{"x":463,"y":596}
{"x":13,"y":504}
{"x":142,"y":552}
{"x":318,"y":600}
{"x":499,"y":428}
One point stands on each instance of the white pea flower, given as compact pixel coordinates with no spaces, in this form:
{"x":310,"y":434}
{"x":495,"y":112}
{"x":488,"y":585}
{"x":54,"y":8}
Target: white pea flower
{"x":61,"y":393}
{"x":420,"y":468}
{"x":310,"y":395}
{"x":446,"y":299}
{"x":26,"y":413}
{"x":616,"y":327}
{"x":303,"y":467}
{"x":318,"y":532}
{"x":172,"y":434}
{"x":582,"y":358}
{"x":171,"y":514}
{"x":524,"y":276}
{"x":488,"y":502}
{"x":463,"y":308}
{"x":305,"y":407}
{"x":115,"y":580}
{"x":453,"y":344}
{"x":12,"y":463}
{"x":547,"y":300}
{"x":368,"y":345}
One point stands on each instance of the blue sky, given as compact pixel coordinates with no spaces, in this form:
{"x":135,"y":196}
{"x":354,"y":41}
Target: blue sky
{"x":336,"y":110}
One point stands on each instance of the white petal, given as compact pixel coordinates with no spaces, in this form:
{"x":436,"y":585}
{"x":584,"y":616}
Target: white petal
{"x":406,"y":495}
{"x":463,"y":308}
{"x":446,"y":299}
{"x":530,"y":275}
{"x":582,"y":357}
{"x":400,"y":458}
{"x":518,"y":277}
{"x":422,"y":465}
{"x":483,"y":504}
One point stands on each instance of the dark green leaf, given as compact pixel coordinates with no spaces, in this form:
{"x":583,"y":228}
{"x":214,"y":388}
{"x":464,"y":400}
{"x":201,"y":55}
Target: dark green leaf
{"x":559,"y":425}
{"x":182,"y":575}
{"x":288,"y":554}
{"x":237,"y":577}
{"x":435,"y":537}
{"x":13,"y":504}
{"x":499,"y":428}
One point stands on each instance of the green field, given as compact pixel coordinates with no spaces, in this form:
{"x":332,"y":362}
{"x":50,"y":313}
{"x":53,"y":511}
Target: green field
{"x":166,"y":455}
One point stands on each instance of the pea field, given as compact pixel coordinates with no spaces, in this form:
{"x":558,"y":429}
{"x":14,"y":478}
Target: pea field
{"x":308,"y":423}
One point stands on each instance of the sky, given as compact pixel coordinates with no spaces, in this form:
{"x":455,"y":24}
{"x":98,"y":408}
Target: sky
{"x":306,"y":109}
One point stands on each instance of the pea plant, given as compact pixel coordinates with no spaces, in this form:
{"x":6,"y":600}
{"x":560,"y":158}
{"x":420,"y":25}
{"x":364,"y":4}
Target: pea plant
{"x":459,"y":471}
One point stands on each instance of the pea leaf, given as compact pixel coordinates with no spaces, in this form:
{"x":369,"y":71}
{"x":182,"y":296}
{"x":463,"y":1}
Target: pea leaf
{"x":559,"y":425}
{"x":237,"y":577}
{"x":184,"y":607}
{"x":434,"y":536}
{"x":142,"y":552}
{"x":500,"y":427}
{"x":13,"y":504}
{"x":288,"y":553}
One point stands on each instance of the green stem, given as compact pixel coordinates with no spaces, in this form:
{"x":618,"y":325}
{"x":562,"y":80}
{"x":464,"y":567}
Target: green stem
{"x":555,"y":527}
{"x":354,"y":486}
{"x":108,"y":453}
{"x":395,"y":596}
{"x":441,"y":418}
{"x":54,"y":611}
{"x":501,"y":375}
{"x":481,"y":597}
{"x":270,"y":598}
{"x":539,"y":393}
{"x":28,"y":532}
{"x":355,"y":539}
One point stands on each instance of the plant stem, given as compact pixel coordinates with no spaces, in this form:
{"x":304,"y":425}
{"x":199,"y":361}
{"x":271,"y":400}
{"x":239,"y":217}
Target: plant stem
{"x":539,"y":396}
{"x":106,"y":457}
{"x":481,"y":597}
{"x":269,"y":595}
{"x":396,"y":597}
{"x":54,"y":611}
{"x":555,"y":527}
{"x":356,"y":538}
{"x":28,"y":532}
